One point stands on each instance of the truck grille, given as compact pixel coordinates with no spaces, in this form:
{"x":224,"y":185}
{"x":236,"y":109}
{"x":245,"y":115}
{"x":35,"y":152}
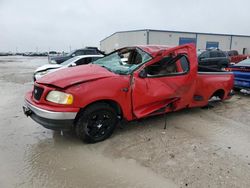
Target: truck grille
{"x":37,"y":92}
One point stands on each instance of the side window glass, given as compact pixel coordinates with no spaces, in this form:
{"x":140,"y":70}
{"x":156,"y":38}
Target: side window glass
{"x":89,"y":52}
{"x":84,"y":61}
{"x":204,"y":55}
{"x":214,"y":54}
{"x":88,"y":60}
{"x":222,"y":54}
{"x":95,"y":58}
{"x":80,"y":62}
{"x":169,"y":66}
{"x":184,"y":64}
{"x":79,"y":52}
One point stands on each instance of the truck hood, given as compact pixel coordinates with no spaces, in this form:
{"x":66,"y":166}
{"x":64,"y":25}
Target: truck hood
{"x":66,"y":77}
{"x":47,"y":67}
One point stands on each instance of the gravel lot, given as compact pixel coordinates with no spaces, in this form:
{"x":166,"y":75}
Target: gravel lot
{"x":199,"y":148}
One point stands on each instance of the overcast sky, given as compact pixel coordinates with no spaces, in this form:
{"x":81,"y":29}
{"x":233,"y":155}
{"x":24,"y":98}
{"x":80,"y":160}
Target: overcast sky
{"x":28,"y":25}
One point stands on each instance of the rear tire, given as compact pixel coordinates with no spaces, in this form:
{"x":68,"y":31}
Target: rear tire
{"x":96,"y":123}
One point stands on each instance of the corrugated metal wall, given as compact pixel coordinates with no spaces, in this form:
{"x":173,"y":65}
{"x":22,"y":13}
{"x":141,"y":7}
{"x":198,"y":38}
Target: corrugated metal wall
{"x":167,"y":38}
{"x":140,"y":37}
{"x":119,"y":40}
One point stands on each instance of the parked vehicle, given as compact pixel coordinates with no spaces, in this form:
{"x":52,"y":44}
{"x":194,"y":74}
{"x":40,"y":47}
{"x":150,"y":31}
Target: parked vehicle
{"x":130,"y":83}
{"x":213,"y":58}
{"x":35,"y":54}
{"x":53,"y":54}
{"x":75,"y":61}
{"x":241,"y":72}
{"x":6,"y":53}
{"x":84,"y":51}
{"x":235,"y":57}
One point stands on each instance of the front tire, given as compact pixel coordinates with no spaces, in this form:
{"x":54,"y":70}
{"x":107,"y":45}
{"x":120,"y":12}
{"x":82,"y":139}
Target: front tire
{"x":96,"y":123}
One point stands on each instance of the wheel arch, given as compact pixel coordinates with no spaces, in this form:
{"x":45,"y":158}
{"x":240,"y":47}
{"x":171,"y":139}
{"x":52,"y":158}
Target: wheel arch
{"x":219,"y":93}
{"x":115,"y":105}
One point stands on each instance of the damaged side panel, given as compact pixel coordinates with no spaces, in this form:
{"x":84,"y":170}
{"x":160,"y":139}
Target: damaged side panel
{"x":173,"y":87}
{"x":153,"y":99}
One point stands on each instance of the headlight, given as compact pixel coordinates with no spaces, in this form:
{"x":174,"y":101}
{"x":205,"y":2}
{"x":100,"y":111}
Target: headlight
{"x":59,"y":97}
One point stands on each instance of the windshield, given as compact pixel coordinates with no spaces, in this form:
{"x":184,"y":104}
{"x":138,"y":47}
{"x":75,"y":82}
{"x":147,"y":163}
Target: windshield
{"x":124,"y":61}
{"x":70,"y":60}
{"x":245,"y":62}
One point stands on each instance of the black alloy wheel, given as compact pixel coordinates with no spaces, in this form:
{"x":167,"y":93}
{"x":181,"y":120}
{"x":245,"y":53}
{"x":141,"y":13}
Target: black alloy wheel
{"x":96,"y":123}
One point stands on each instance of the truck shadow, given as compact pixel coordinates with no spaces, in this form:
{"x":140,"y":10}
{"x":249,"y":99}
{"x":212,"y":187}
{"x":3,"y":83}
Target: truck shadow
{"x":159,"y":123}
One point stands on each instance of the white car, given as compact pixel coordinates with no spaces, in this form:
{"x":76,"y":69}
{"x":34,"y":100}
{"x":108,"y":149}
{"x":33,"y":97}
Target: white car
{"x":75,"y":61}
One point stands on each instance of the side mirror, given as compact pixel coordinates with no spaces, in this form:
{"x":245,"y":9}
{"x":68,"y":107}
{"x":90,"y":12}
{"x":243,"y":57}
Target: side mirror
{"x":73,"y":55}
{"x":143,"y":74}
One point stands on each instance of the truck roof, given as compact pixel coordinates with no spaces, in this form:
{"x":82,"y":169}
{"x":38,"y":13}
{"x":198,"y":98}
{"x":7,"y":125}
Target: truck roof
{"x":154,"y":49}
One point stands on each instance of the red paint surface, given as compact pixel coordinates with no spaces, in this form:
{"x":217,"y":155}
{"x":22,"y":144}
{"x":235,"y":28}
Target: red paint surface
{"x":238,"y":58}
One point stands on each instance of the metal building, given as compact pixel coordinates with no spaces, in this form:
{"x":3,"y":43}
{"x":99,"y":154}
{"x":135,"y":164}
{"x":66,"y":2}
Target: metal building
{"x":172,"y":38}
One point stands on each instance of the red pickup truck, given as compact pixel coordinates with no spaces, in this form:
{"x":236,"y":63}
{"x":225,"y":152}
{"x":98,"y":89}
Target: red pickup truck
{"x":130,"y":83}
{"x":235,"y":57}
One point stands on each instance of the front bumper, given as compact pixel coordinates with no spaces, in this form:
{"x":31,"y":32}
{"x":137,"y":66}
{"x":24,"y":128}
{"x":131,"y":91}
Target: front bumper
{"x":50,"y":119}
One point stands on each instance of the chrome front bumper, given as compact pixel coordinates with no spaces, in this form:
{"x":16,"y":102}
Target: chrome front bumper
{"x":50,"y":119}
{"x":50,"y":114}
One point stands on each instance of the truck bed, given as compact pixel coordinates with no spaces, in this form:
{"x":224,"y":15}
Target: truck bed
{"x":212,"y":82}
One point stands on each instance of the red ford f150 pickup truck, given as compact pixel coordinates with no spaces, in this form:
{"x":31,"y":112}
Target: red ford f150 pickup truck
{"x":130,"y":83}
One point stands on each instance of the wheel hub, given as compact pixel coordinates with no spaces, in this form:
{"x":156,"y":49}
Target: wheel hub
{"x":99,"y":125}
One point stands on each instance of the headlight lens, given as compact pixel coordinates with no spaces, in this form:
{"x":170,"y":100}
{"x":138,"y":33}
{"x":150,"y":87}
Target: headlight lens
{"x":59,"y":97}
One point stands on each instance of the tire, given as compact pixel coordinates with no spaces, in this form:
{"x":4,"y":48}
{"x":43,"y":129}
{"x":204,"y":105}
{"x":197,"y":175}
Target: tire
{"x":96,"y":123}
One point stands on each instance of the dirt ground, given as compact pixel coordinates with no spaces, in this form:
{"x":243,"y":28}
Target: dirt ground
{"x":199,"y":148}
